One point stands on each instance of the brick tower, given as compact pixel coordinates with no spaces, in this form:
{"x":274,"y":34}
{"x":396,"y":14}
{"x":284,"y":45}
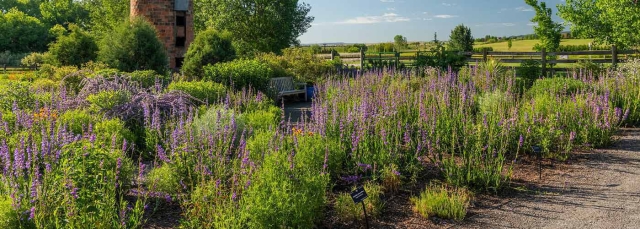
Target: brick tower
{"x":173,"y":20}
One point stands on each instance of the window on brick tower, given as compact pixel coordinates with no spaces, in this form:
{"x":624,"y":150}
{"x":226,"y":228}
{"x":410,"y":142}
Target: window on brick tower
{"x":179,"y":61}
{"x":181,"y":29}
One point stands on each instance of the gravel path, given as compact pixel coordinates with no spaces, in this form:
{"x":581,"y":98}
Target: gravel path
{"x":599,"y":190}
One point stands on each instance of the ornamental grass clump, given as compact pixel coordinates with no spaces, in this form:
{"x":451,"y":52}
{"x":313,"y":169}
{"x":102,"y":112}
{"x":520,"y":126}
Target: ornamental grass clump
{"x":348,"y":211}
{"x":442,"y":201}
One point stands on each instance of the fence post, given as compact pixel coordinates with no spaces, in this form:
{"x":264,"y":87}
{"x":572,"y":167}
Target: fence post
{"x":361,"y":58}
{"x":614,"y":55}
{"x":544,"y":62}
{"x":397,"y":59}
{"x":333,"y":54}
{"x":484,"y":55}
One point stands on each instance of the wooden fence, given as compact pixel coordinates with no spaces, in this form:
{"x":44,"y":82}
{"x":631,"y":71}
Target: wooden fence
{"x":612,"y":56}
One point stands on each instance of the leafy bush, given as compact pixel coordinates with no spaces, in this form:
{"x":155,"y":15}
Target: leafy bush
{"x":112,"y":132}
{"x":241,"y":73}
{"x":283,"y":197}
{"x":148,"y":78}
{"x":209,"y":47}
{"x":44,"y":85}
{"x":8,"y":217}
{"x":301,"y":65}
{"x":74,"y":49}
{"x":22,"y":33}
{"x":11,"y":59}
{"x":163,"y":179}
{"x":134,"y":45}
{"x":493,"y":102}
{"x":443,"y":202}
{"x":107,"y":100}
{"x":481,"y":49}
{"x":33,"y":60}
{"x":529,"y":71}
{"x":347,"y":211}
{"x":263,"y":119}
{"x":216,"y":119}
{"x":591,"y":68}
{"x":75,"y":121}
{"x":205,"y":91}
{"x":15,"y":92}
{"x":557,"y":85}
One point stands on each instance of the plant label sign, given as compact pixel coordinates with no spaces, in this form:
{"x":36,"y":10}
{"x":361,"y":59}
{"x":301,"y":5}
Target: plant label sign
{"x":359,"y":195}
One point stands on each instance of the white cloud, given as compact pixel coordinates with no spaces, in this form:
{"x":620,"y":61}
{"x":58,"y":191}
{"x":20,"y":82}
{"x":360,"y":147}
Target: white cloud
{"x":524,"y":9}
{"x":449,"y":4}
{"x":445,"y":16}
{"x":532,"y":24}
{"x":504,"y":24}
{"x":391,"y":9}
{"x":387,"y":17}
{"x":387,"y":0}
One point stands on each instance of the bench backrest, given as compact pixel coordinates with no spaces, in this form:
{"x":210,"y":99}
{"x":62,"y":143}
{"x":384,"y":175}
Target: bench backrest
{"x":282,"y":84}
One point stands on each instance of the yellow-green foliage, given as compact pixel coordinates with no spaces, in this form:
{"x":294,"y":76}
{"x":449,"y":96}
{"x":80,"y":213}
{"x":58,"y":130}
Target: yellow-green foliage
{"x":263,"y":119}
{"x":347,"y":211}
{"x":205,"y":91}
{"x":112,"y":129}
{"x":443,"y":202}
{"x":106,"y":100}
{"x":163,"y":179}
{"x":75,"y":120}
{"x":7,"y":216}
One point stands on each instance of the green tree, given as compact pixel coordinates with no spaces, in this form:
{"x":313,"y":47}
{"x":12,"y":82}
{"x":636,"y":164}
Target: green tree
{"x":547,"y":30}
{"x":22,"y":33}
{"x":615,"y":22}
{"x":256,"y":25}
{"x":510,"y":43}
{"x":209,"y":47}
{"x":315,"y":49}
{"x":29,"y":7}
{"x":63,"y":12}
{"x":400,"y":42}
{"x":74,"y":49}
{"x":134,"y":45}
{"x":461,"y":39}
{"x":106,"y":15}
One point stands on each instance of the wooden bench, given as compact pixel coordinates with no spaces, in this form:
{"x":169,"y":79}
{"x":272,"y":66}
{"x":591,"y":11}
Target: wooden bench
{"x":284,"y":86}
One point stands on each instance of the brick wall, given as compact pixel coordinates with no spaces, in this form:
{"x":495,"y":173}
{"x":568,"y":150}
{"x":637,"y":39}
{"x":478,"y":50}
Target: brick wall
{"x":161,"y":14}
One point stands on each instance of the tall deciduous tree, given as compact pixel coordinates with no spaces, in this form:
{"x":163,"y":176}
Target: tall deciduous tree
{"x":400,"y":42}
{"x":20,"y":32}
{"x":614,"y":22}
{"x":461,"y":39}
{"x":105,"y":15}
{"x":256,"y":25}
{"x":548,"y":30}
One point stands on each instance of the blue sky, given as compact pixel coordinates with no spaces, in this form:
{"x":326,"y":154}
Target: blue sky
{"x":368,"y":21}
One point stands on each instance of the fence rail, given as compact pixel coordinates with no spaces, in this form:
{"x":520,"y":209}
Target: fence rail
{"x":608,"y":56}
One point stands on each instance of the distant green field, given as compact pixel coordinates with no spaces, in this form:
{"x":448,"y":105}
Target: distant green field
{"x":527,"y":45}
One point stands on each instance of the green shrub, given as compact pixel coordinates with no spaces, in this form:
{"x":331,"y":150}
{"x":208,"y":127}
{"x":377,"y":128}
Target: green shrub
{"x":107,"y":100}
{"x":8,"y":217}
{"x":557,"y":85}
{"x":591,"y":68}
{"x":299,"y":64}
{"x":280,"y":197}
{"x":33,"y":60}
{"x":312,"y":150}
{"x":134,"y":45}
{"x":74,"y":49}
{"x":260,"y":143}
{"x":216,"y":119}
{"x":391,"y":178}
{"x":263,"y":119}
{"x":73,"y":80}
{"x":163,"y":179}
{"x":205,"y":91}
{"x":76,"y":121}
{"x":14,"y":91}
{"x":494,"y":102}
{"x":147,"y":79}
{"x":209,"y":47}
{"x":443,"y":202}
{"x":44,"y":85}
{"x":529,"y":71}
{"x":347,"y":211}
{"x":112,"y":129}
{"x":241,"y":74}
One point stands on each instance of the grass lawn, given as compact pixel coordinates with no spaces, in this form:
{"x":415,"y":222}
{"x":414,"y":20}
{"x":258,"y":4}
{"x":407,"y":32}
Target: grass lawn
{"x":527,"y":45}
